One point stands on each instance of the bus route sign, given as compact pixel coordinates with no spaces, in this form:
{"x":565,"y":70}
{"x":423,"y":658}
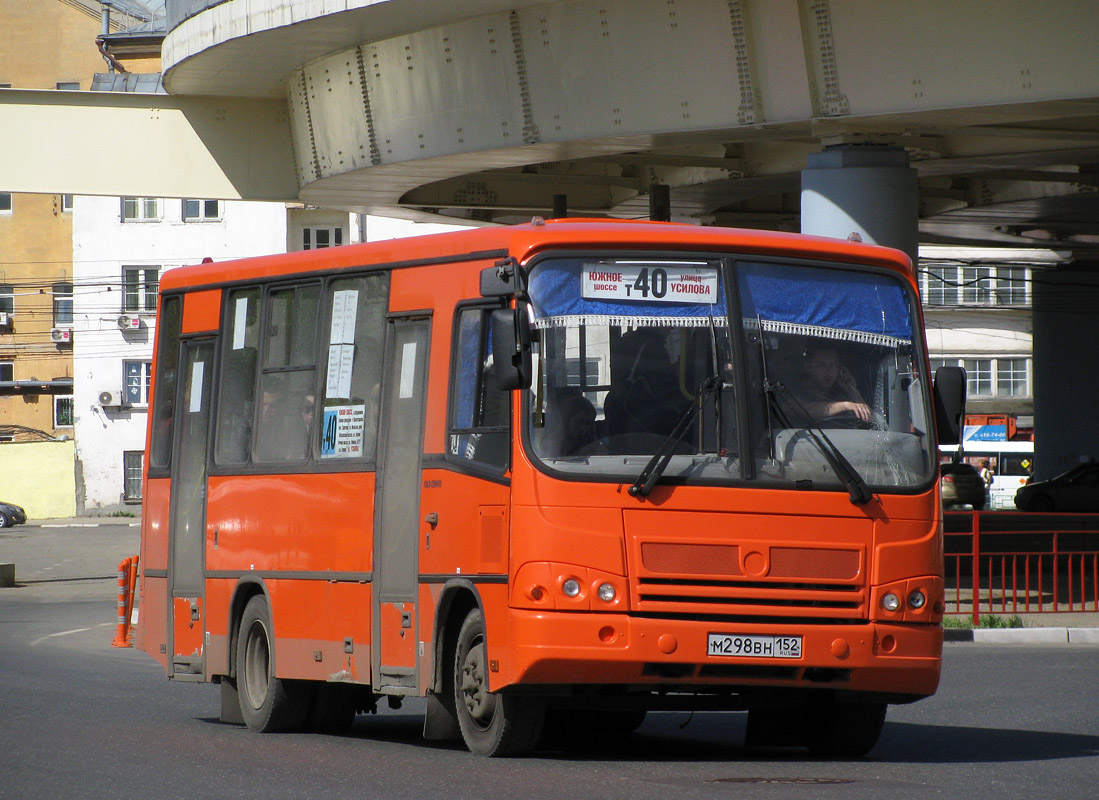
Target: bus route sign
{"x":654,"y":283}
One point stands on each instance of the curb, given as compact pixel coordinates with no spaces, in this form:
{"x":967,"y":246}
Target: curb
{"x":37,"y":524}
{"x":1023,"y":635}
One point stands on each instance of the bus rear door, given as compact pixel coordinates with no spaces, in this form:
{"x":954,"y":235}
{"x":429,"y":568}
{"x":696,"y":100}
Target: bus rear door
{"x":187,"y":526}
{"x":397,"y":493}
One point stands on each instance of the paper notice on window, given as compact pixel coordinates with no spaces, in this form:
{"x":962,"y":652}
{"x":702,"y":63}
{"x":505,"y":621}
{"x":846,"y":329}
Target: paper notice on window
{"x":240,"y":322}
{"x":345,"y":308}
{"x":408,"y":370}
{"x":343,"y":432}
{"x":198,"y":369}
{"x":340,"y":360}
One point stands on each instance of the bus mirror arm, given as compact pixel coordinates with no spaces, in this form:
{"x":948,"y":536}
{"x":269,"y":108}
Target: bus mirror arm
{"x":511,"y":356}
{"x":949,"y":391}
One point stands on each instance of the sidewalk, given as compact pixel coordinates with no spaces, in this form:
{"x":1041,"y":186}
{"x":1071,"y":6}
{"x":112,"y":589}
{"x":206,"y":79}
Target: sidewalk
{"x":80,"y":522}
{"x":1053,"y":635}
{"x":1080,"y":627}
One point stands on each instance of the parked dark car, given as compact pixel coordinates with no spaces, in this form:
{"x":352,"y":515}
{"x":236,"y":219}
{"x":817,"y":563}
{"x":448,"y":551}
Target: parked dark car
{"x":962,"y":486}
{"x":11,"y":514}
{"x":1075,"y":490}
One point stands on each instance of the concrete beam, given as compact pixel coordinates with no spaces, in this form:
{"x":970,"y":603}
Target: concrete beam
{"x":145,"y":145}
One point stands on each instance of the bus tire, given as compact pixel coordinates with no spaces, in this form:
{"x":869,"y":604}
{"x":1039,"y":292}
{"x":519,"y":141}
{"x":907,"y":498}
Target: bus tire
{"x":267,"y":704}
{"x":492,"y":724}
{"x":843,"y":729}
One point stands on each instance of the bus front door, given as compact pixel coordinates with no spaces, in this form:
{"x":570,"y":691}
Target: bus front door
{"x":397,"y":508}
{"x":187,"y":531}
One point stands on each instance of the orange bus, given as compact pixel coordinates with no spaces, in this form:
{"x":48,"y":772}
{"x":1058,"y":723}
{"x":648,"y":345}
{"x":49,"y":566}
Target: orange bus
{"x":554,"y":475}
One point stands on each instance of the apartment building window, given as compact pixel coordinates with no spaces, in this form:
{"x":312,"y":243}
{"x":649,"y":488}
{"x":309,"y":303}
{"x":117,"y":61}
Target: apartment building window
{"x":954,"y":284}
{"x":69,"y":86}
{"x":7,"y":298}
{"x":133,"y":463}
{"x":139,"y":288}
{"x":139,"y":376}
{"x":1011,"y":286}
{"x":201,"y":210}
{"x":315,"y":238}
{"x":1011,"y":377}
{"x":5,"y":202}
{"x":63,"y":411}
{"x":140,"y":209}
{"x":7,"y":371}
{"x":992,"y":377}
{"x":66,"y":203}
{"x":62,"y":304}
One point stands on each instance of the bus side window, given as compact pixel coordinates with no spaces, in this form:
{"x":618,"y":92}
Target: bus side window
{"x":480,"y":413}
{"x":351,"y":384}
{"x":289,"y":374}
{"x":164,"y":389}
{"x":237,"y":390}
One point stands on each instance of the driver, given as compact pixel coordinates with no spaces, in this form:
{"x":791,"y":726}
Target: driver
{"x":826,"y":387}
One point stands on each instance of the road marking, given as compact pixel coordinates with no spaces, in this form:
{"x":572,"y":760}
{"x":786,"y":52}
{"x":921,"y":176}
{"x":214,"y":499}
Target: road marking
{"x":67,"y":633}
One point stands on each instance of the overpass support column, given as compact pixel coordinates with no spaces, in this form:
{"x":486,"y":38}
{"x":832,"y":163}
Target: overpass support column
{"x":1065,"y":379}
{"x":865,"y":189}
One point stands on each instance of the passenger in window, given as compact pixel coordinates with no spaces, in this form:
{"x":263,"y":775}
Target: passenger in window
{"x":645,"y":396}
{"x":573,"y":420}
{"x":826,"y":387}
{"x":308,"y":407}
{"x":283,"y":433}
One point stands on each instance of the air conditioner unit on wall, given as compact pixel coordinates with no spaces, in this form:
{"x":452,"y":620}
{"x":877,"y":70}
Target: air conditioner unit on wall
{"x":5,"y":319}
{"x":109,"y":398}
{"x":61,"y":335}
{"x":128,"y":323}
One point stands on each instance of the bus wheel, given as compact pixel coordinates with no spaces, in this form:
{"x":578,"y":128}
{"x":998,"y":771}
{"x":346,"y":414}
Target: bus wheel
{"x":267,"y":703}
{"x":845,"y":730}
{"x":491,"y":724}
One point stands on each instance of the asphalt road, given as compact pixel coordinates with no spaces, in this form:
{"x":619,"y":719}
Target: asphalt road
{"x":80,"y":719}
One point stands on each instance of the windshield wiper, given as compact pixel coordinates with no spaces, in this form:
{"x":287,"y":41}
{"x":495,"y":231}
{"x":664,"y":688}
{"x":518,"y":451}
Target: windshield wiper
{"x":849,"y":476}
{"x":659,"y":462}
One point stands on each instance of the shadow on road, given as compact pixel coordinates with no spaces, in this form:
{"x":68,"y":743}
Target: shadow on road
{"x":667,"y":738}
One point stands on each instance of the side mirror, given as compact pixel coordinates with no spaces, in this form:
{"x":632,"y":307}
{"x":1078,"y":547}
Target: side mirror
{"x":949,"y":394}
{"x":503,"y":279}
{"x":511,"y":359}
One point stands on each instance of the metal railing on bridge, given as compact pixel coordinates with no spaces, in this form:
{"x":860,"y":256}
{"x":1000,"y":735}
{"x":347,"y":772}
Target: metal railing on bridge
{"x":1021,"y":563}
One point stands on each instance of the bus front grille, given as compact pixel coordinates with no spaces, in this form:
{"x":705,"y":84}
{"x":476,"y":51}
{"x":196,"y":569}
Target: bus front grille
{"x":749,"y":580}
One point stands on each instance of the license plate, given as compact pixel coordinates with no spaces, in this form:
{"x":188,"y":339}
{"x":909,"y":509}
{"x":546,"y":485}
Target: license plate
{"x":754,"y":646}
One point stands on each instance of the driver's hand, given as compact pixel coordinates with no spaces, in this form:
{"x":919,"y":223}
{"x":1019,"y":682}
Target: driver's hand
{"x":860,"y":410}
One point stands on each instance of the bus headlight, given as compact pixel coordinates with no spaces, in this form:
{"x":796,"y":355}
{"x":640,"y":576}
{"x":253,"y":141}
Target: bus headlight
{"x":890,"y":602}
{"x":606,"y":592}
{"x":571,"y":587}
{"x":917,"y":599}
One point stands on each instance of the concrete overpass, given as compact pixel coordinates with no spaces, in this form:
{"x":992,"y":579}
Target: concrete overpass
{"x":937,"y":122}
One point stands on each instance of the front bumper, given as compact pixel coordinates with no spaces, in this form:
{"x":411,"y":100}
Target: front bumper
{"x":895,"y":661}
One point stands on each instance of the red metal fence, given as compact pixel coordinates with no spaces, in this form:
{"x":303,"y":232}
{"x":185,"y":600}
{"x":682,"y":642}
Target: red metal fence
{"x":1019,"y":563}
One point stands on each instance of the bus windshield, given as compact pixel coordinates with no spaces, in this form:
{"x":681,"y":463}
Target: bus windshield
{"x":759,"y":372}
